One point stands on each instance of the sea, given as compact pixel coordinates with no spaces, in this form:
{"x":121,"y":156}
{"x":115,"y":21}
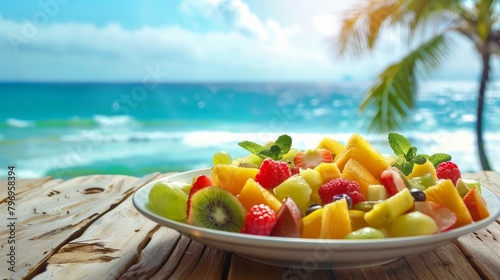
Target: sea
{"x":65,"y":130}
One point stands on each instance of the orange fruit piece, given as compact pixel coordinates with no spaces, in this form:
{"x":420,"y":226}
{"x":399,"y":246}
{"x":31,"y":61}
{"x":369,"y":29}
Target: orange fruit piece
{"x":445,"y":194}
{"x":332,"y":145}
{"x":231,"y":177}
{"x":253,"y":193}
{"x":357,"y":219}
{"x":355,"y":171}
{"x":335,"y":221}
{"x":311,"y":224}
{"x":476,"y":204}
{"x":361,"y":150}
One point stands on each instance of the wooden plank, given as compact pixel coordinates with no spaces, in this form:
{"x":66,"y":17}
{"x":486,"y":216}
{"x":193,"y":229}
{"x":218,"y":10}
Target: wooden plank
{"x":22,"y":185}
{"x":210,"y":266}
{"x":107,"y":248}
{"x":243,"y":269}
{"x":445,"y":262}
{"x":56,"y":212}
{"x":174,"y":259}
{"x":154,"y":255}
{"x":482,"y":249}
{"x":188,"y":261}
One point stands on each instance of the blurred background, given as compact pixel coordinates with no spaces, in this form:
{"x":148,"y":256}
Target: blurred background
{"x":160,"y":86}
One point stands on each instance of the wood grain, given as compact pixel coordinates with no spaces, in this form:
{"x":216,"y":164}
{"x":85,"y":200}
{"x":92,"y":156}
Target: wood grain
{"x":23,"y":185}
{"x":56,"y":212}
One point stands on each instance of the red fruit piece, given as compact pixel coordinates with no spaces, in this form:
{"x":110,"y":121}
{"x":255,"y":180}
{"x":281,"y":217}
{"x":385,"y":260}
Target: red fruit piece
{"x":201,"y":182}
{"x":272,"y":173}
{"x":288,"y":220}
{"x":448,"y":170}
{"x":340,"y":186}
{"x":476,"y":204}
{"x":312,"y":158}
{"x":260,"y":220}
{"x":295,"y":170}
{"x":445,"y":218}
{"x":392,"y":181}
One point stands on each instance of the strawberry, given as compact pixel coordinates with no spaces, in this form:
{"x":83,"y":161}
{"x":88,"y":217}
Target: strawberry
{"x":448,"y":170}
{"x":272,"y":173}
{"x":312,"y":158}
{"x":392,"y":181}
{"x":260,"y":220}
{"x":340,"y":186}
{"x":201,"y":182}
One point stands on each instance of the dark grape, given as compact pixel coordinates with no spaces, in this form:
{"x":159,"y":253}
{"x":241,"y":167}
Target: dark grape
{"x":313,"y":208}
{"x":343,"y":196}
{"x":417,"y":194}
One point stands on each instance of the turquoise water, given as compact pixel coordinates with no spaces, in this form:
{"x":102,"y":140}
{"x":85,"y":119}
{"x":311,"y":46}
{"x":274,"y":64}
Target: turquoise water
{"x":66,"y":130}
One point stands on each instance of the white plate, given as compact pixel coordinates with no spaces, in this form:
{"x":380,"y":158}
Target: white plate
{"x":310,"y":253}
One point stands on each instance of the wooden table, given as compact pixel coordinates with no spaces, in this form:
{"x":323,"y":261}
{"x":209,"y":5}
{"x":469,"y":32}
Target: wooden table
{"x":87,"y":228}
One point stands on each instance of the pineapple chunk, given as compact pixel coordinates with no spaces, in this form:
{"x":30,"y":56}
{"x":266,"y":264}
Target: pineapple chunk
{"x":335,"y":221}
{"x":360,"y":149}
{"x":377,"y":192}
{"x":386,"y":211}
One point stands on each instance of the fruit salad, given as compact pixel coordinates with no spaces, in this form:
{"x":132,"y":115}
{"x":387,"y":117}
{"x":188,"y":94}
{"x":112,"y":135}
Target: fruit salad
{"x":332,"y":191}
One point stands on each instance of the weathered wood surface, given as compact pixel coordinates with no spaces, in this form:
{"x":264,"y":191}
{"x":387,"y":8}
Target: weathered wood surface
{"x":87,"y":228}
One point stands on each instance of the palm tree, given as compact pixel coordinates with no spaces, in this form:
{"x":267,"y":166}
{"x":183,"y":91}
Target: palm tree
{"x":428,"y":27}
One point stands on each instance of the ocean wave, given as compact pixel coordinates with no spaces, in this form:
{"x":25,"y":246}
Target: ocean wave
{"x":19,"y":123}
{"x":75,"y":121}
{"x":114,"y":121}
{"x":95,"y":136}
{"x":194,"y":149}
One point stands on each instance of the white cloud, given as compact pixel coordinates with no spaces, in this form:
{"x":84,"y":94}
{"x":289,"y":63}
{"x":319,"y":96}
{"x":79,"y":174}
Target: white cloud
{"x":249,"y":49}
{"x":234,"y":13}
{"x":77,"y":51}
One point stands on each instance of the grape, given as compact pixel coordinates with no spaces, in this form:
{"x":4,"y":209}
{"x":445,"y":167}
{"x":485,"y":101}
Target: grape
{"x":343,"y":196}
{"x":365,"y":233}
{"x":413,"y":223}
{"x":222,"y":157}
{"x":417,"y":194}
{"x":313,"y":208}
{"x":168,"y":200}
{"x":425,"y":180}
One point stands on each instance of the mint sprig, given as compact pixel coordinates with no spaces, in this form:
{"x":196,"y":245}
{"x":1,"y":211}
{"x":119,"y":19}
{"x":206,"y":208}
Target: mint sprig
{"x":276,"y":151}
{"x":407,"y":154}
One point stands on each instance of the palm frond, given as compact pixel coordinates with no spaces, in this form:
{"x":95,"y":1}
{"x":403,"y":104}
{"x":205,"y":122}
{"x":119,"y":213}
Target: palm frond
{"x":360,"y":28}
{"x":389,"y":101}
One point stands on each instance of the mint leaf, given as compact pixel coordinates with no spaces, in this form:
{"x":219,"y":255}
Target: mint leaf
{"x":412,"y":152}
{"x":419,"y":159}
{"x":280,"y":147}
{"x":438,"y":158}
{"x":285,"y":143}
{"x":267,"y":154}
{"x":405,"y":167}
{"x":399,"y":144}
{"x":252,"y":147}
{"x":276,"y":150}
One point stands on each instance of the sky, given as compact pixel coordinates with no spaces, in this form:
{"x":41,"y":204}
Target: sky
{"x":191,"y":40}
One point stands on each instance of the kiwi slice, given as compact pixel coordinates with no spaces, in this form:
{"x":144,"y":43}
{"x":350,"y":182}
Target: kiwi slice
{"x":217,"y":208}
